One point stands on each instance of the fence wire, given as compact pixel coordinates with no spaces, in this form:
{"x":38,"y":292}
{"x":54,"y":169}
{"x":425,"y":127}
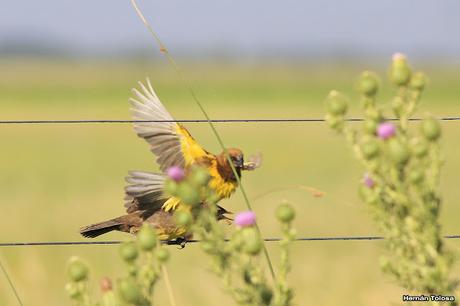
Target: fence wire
{"x":274,"y":120}
{"x":179,"y":242}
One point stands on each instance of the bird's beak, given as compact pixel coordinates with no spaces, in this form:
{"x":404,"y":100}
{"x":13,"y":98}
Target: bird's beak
{"x":239,"y":163}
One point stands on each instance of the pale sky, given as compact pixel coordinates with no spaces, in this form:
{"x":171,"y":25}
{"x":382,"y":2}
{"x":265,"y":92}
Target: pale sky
{"x":247,"y":28}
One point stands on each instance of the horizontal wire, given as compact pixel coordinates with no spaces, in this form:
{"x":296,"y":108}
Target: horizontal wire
{"x":178,"y":242}
{"x":198,"y":120}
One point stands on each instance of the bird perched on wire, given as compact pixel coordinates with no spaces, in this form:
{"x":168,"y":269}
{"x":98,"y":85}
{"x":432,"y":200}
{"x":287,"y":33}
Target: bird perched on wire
{"x":173,"y":146}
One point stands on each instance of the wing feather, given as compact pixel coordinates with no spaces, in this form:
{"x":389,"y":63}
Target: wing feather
{"x":144,"y":191}
{"x":170,"y":142}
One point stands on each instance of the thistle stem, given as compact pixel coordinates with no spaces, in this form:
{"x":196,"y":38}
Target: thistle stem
{"x":168,"y":286}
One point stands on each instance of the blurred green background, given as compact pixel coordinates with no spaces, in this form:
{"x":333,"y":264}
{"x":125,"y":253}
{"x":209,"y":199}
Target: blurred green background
{"x":56,"y":178}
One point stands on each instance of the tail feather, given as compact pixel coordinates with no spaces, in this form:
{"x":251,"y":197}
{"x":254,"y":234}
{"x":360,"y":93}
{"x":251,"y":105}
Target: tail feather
{"x":94,"y":230}
{"x":222,"y":214}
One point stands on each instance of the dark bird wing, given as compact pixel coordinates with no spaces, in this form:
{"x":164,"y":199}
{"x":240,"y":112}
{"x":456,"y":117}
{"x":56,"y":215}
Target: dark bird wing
{"x":144,"y":191}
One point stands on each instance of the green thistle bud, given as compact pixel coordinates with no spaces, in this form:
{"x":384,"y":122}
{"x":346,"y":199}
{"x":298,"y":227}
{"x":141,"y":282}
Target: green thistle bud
{"x":132,"y":270}
{"x":77,"y":270}
{"x":292,"y":233}
{"x":163,"y":255}
{"x":183,"y":218}
{"x":420,"y":149}
{"x":199,"y":177}
{"x":336,"y":103}
{"x":370,"y":149}
{"x":128,"y":251}
{"x":373,"y":114}
{"x":370,"y":126}
{"x":147,"y":237}
{"x":285,"y":213}
{"x":212,"y":198}
{"x":189,"y":194}
{"x":266,"y":295}
{"x":368,"y":84}
{"x":385,"y":264}
{"x":400,"y":72}
{"x":171,"y":187}
{"x":247,"y":276}
{"x":130,"y":291}
{"x":397,"y":105}
{"x":411,"y":223}
{"x":147,"y":275}
{"x":398,"y":151}
{"x":72,"y":290}
{"x":416,"y":176}
{"x":109,"y":299}
{"x":334,"y":121}
{"x":207,"y":247}
{"x":252,"y":241}
{"x":368,"y":195}
{"x":431,"y":129}
{"x":418,"y":81}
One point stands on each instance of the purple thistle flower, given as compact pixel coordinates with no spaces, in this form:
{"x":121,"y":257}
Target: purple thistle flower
{"x":245,"y":219}
{"x":176,"y":173}
{"x":368,"y":181}
{"x":386,"y":130}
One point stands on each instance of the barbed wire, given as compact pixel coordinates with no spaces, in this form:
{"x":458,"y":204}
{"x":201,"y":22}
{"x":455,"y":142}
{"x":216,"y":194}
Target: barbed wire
{"x":179,"y":242}
{"x":275,"y":120}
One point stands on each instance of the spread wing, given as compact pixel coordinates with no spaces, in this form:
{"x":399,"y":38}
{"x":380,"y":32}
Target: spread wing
{"x":170,"y":142}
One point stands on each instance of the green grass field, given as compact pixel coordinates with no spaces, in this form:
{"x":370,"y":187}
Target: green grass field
{"x":57,"y":178}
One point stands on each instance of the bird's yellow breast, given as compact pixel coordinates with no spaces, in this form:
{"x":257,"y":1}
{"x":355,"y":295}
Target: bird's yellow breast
{"x":193,"y":153}
{"x":223,"y":189}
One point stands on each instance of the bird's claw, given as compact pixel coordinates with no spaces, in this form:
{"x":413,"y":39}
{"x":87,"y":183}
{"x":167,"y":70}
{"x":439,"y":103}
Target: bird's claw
{"x":181,"y":242}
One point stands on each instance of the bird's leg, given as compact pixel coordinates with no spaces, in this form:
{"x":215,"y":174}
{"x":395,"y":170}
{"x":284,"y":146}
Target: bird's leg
{"x":180,"y":241}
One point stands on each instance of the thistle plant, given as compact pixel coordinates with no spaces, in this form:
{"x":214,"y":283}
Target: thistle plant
{"x":144,"y":260}
{"x":236,"y":260}
{"x":401,"y":181}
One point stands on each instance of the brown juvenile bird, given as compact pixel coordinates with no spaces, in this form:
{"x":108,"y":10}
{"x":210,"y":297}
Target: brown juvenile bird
{"x":145,"y":199}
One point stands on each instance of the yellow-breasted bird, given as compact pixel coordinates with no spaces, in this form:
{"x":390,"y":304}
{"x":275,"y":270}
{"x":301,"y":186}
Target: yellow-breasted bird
{"x":145,"y":198}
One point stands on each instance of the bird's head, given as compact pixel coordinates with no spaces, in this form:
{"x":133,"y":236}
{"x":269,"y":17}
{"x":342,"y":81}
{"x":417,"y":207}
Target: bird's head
{"x":224,"y":167}
{"x":237,"y":158}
